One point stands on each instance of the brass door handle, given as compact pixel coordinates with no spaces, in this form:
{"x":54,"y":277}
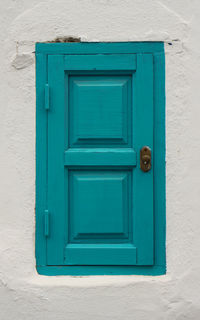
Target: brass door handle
{"x":145,"y":159}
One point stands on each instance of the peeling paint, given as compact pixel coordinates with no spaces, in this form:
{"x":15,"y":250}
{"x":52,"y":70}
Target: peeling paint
{"x":65,"y":39}
{"x":22,"y":61}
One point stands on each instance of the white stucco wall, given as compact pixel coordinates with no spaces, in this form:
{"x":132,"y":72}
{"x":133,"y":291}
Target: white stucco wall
{"x":26,"y":295}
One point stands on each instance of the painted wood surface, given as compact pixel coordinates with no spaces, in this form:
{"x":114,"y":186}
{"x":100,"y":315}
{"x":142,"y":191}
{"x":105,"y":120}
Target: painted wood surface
{"x":98,"y":62}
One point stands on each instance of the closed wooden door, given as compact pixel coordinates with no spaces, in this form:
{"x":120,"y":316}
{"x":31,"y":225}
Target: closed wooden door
{"x":99,"y":200}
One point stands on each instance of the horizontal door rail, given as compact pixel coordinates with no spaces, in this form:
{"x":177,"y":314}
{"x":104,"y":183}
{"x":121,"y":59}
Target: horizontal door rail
{"x":101,"y":62}
{"x":100,"y":157}
{"x":100,"y":254}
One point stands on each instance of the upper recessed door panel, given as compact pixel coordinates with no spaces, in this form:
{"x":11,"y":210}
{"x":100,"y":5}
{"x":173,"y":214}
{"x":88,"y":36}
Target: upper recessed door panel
{"x":100,"y":110}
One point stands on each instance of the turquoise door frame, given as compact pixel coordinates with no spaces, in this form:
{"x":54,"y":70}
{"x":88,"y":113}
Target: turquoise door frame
{"x":52,"y":63}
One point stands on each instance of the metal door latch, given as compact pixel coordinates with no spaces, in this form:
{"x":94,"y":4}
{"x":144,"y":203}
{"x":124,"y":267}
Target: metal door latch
{"x":145,"y":159}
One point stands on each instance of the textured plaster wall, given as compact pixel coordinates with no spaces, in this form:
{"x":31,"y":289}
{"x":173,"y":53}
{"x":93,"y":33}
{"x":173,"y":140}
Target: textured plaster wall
{"x":24,"y":294}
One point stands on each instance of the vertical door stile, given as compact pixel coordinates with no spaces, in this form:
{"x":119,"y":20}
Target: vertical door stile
{"x":56,"y":143}
{"x":143,"y":226}
{"x":66,"y":169}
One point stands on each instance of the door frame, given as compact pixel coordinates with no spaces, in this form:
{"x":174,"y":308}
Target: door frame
{"x":43,"y":50}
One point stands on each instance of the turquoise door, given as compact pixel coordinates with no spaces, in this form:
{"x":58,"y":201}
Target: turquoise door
{"x":99,"y":200}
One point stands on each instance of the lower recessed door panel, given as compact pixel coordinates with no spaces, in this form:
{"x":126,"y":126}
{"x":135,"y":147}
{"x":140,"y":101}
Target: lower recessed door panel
{"x":100,"y":218}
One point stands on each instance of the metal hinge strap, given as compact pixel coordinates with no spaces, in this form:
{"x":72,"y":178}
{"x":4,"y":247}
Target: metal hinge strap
{"x":46,"y":223}
{"x":46,"y":93}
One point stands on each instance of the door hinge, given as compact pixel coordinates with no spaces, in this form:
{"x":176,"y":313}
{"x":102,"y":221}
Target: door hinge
{"x":46,"y":96}
{"x":46,"y":223}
